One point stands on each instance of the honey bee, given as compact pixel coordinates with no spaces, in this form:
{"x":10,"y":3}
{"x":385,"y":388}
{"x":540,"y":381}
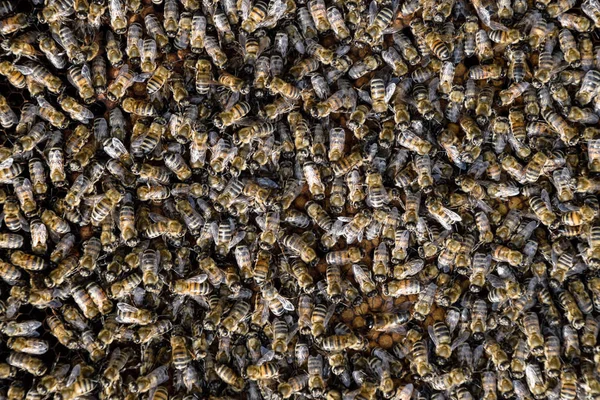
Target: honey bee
{"x":159,"y":78}
{"x":237,"y":313}
{"x":229,"y":376}
{"x":128,"y":314}
{"x":28,"y":363}
{"x":153,"y":379}
{"x":141,"y":108}
{"x":232,"y":116}
{"x":124,"y":79}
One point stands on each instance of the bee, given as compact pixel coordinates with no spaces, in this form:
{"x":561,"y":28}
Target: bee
{"x":543,"y":209}
{"x":113,"y":50}
{"x":181,"y":356}
{"x":128,"y":314}
{"x":141,"y":108}
{"x":117,"y":361}
{"x":237,"y":313}
{"x":158,"y":79}
{"x":535,"y":380}
{"x":74,"y":109}
{"x":134,"y":44}
{"x":27,"y":261}
{"x":568,"y":45}
{"x":342,"y":342}
{"x":588,"y":88}
{"x":267,"y":370}
{"x":193,"y":286}
{"x":230,"y":377}
{"x":91,"y":251}
{"x":28,"y":363}
{"x":531,"y":327}
{"x":300,"y":272}
{"x":27,"y":345}
{"x":14,"y":23}
{"x":156,"y":31}
{"x":213,"y":49}
{"x":13,"y":75}
{"x":572,"y":311}
{"x":152,"y":380}
{"x":14,"y":241}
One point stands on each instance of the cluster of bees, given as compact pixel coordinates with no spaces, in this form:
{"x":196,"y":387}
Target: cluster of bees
{"x":280,"y":199}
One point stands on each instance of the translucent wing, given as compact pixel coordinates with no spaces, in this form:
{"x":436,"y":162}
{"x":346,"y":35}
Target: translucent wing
{"x":287,"y":305}
{"x":546,"y":198}
{"x":268,"y":183}
{"x":432,"y":335}
{"x":364,"y":96}
{"x":389,"y":91}
{"x":268,"y":356}
{"x":244,"y":8}
{"x":360,"y":275}
{"x":198,"y":278}
{"x":24,"y":69}
{"x":73,"y":375}
{"x":85,"y":71}
{"x":372,"y":11}
{"x":330,"y":312}
{"x":495,"y":281}
{"x":462,"y":338}
{"x":453,"y":216}
{"x":452,"y":319}
{"x":127,"y":308}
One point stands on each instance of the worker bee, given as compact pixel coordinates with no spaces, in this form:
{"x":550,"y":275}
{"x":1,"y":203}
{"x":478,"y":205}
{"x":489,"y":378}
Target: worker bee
{"x":147,"y":382}
{"x":28,"y":363}
{"x":128,"y":314}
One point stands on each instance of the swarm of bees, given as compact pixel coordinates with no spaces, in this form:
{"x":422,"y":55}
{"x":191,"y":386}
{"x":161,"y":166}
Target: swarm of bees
{"x":281,"y":199}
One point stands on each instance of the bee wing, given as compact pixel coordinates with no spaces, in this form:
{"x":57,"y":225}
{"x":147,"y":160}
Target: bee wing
{"x":24,"y":223}
{"x":237,"y":238}
{"x":330,"y":312}
{"x":43,"y":102}
{"x":433,"y":336}
{"x":577,"y":269}
{"x":495,"y":281}
{"x":61,"y":370}
{"x":478,"y":168}
{"x":342,"y":50}
{"x":141,"y":77}
{"x":268,"y":183}
{"x":268,"y":356}
{"x":155,"y":217}
{"x":214,"y":230}
{"x":198,"y":278}
{"x":462,"y":338}
{"x":244,"y":8}
{"x":532,"y":375}
{"x":389,"y":91}
{"x":127,"y":308}
{"x":360,"y":275}
{"x":372,"y":11}
{"x":452,"y":319}
{"x":364,"y":96}
{"x":233,"y":99}
{"x":114,"y":355}
{"x":546,"y":198}
{"x":31,"y":326}
{"x":443,"y":222}
{"x":263,"y":44}
{"x":452,"y":215}
{"x":260,"y":220}
{"x":73,"y":375}
{"x":287,"y":305}
{"x":24,"y":69}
